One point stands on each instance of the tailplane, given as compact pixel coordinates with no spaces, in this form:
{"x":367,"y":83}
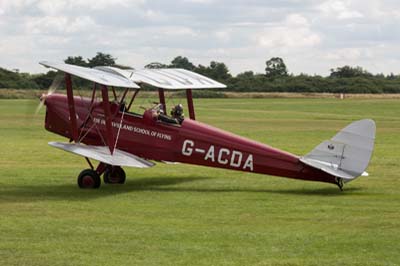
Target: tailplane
{"x":347,"y":154}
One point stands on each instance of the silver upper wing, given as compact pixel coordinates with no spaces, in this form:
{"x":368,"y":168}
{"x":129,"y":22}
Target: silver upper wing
{"x":167,"y":78}
{"x":101,"y":77}
{"x":174,"y":79}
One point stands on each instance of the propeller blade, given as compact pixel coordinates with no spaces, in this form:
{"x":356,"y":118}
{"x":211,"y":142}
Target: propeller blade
{"x":55,"y":84}
{"x":39,"y":107}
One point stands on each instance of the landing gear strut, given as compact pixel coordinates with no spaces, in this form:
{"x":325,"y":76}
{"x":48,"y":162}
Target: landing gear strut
{"x":339,"y":183}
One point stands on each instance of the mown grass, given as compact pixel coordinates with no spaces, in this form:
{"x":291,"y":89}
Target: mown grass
{"x":189,"y":215}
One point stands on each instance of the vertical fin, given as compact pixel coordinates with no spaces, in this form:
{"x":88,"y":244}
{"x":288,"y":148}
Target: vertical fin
{"x":348,"y":153}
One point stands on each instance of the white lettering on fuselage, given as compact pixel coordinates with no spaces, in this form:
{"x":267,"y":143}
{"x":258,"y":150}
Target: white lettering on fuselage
{"x":137,"y":130}
{"x":187,"y":147}
{"x":223,"y":156}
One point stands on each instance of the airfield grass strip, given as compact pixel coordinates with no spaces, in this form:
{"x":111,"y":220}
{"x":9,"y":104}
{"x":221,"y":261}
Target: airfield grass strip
{"x":192,"y":215}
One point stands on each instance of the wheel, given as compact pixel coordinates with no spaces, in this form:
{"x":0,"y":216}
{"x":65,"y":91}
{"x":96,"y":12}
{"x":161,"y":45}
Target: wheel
{"x":89,"y":179}
{"x":114,"y":175}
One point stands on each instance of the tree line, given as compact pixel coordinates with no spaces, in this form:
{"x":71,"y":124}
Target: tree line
{"x":276,"y":78}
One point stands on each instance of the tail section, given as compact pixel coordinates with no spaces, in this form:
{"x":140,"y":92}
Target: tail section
{"x":347,"y":154}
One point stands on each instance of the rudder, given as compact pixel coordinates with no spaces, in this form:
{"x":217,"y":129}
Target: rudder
{"x":347,"y":154}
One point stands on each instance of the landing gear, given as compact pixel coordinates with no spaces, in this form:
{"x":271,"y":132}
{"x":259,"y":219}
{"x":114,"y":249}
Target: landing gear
{"x":339,"y":183}
{"x":114,"y":175}
{"x":89,"y":179}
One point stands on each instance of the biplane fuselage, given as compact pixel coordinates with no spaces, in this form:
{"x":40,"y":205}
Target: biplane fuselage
{"x":190,"y":142}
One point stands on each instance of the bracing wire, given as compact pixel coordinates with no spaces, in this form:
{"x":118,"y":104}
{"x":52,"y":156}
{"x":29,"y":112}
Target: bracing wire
{"x":119,"y":128}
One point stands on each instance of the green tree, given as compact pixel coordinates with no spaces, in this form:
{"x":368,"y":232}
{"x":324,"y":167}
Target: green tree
{"x":76,"y":60}
{"x":123,"y":67}
{"x":275,"y":68}
{"x":15,"y":80}
{"x":349,"y":72}
{"x":155,"y":65}
{"x":182,"y":62}
{"x":101,"y":59}
{"x":44,"y":80}
{"x":245,"y":75}
{"x":219,"y":71}
{"x":215,"y":70}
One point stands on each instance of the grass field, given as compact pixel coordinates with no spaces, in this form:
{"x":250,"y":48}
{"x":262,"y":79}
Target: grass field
{"x":189,"y":215}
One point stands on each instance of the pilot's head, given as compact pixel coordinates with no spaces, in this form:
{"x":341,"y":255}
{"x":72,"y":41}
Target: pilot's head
{"x":177,"y":110}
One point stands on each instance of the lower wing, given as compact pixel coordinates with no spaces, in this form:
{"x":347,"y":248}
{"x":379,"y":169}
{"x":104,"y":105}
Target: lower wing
{"x":102,"y":154}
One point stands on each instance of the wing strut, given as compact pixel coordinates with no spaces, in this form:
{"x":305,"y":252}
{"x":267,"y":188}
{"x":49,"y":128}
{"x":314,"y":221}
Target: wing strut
{"x":190,"y":104}
{"x":162,"y":99}
{"x":71,"y":107}
{"x":108,"y":118}
{"x":132,"y":99}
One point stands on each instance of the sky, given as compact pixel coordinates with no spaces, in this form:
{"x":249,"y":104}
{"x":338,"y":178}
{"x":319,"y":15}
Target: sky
{"x":311,"y":36}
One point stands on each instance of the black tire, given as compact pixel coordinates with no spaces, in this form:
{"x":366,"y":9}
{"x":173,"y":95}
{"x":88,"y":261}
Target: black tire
{"x":114,"y":175}
{"x":89,"y":178}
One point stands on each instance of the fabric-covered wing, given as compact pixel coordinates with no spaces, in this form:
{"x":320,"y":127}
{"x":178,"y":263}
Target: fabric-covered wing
{"x":102,"y":154}
{"x":127,"y":73}
{"x":174,"y":79}
{"x":95,"y":75}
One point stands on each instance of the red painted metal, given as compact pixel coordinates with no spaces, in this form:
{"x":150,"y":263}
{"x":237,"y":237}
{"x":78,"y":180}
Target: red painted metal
{"x":162,"y":99}
{"x":101,"y":168}
{"x":191,"y":142}
{"x":88,"y":181}
{"x":71,"y":107}
{"x":93,"y":93}
{"x":108,"y":119}
{"x":190,"y":104}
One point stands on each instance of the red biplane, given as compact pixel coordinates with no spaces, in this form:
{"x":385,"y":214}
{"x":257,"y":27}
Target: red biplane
{"x":107,"y":131}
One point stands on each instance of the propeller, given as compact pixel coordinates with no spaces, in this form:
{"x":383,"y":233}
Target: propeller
{"x":55,"y":84}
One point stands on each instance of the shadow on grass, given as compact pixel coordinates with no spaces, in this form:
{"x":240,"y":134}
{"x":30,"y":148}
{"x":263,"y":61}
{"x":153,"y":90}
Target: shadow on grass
{"x":329,"y":191}
{"x":40,"y":192}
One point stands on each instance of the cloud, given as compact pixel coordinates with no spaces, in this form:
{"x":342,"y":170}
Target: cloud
{"x":294,"y":32}
{"x":101,"y":4}
{"x":59,"y":25}
{"x":339,"y":9}
{"x":198,"y":1}
{"x":347,"y":54}
{"x":224,"y":35}
{"x":312,"y":36}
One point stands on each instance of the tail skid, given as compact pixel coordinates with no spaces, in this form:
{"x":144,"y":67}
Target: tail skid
{"x":346,"y":156}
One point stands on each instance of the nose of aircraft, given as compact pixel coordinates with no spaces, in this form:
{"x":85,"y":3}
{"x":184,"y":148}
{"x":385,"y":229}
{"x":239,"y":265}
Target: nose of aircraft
{"x":43,"y":97}
{"x":53,"y":87}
